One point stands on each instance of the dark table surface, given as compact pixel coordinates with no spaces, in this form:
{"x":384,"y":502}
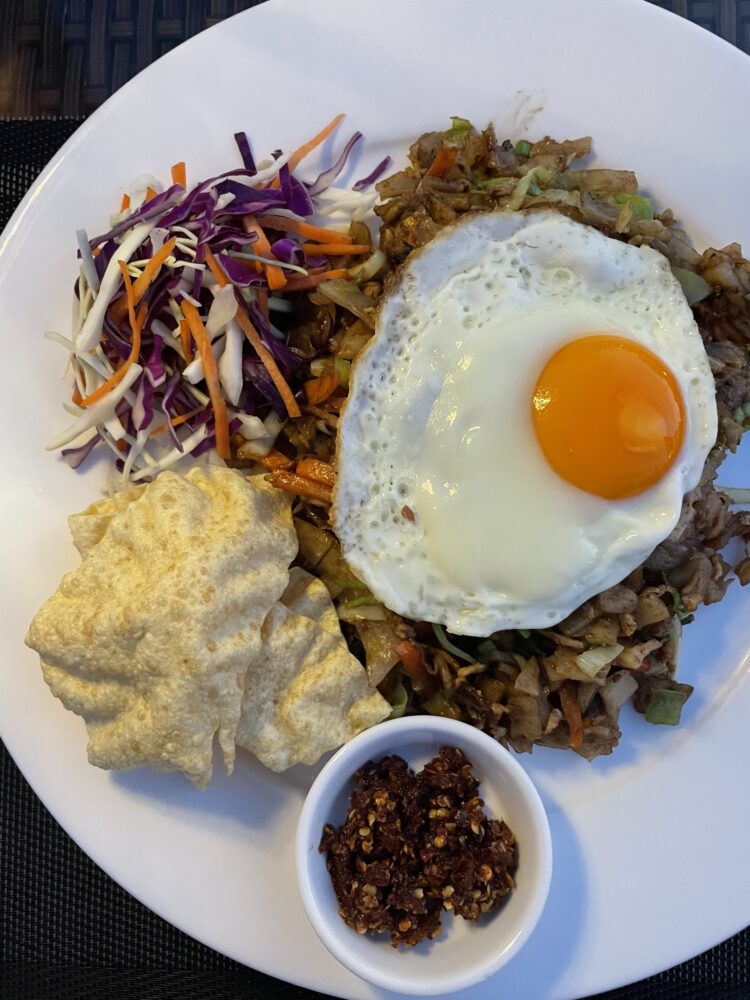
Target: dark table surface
{"x":66,"y":930}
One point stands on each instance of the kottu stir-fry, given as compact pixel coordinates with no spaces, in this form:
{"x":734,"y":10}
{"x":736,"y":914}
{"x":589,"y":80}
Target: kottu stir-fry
{"x":466,"y":468}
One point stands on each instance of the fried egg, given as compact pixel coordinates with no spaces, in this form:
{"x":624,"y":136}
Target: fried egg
{"x":523,"y":426}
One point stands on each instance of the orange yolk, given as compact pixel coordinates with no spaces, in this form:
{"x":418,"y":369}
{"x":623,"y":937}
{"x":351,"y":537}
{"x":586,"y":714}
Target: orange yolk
{"x":608,"y":415}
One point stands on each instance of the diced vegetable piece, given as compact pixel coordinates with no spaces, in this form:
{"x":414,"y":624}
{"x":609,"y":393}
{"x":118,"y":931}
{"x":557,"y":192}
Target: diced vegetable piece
{"x":347,"y":295}
{"x":523,"y":147}
{"x":572,"y":713}
{"x":343,"y":369}
{"x":319,"y":389}
{"x":411,"y":657}
{"x":642,"y":207}
{"x":377,"y":638}
{"x":398,"y":696}
{"x":445,"y":158}
{"x":664,"y":707}
{"x":618,"y":689}
{"x":606,"y":181}
{"x":363,"y":612}
{"x":353,"y":340}
{"x":591,"y":661}
{"x":695,"y":287}
{"x":360,"y":602}
{"x":438,"y":705}
{"x":314,"y":543}
{"x":459,"y":130}
{"x":367,"y":270}
{"x":492,"y":688}
{"x":534,"y":176}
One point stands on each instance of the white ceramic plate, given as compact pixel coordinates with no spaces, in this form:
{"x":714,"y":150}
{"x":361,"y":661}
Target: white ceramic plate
{"x":651,"y":861}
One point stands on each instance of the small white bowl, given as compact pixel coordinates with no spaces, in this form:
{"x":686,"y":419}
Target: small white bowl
{"x":465,"y":953}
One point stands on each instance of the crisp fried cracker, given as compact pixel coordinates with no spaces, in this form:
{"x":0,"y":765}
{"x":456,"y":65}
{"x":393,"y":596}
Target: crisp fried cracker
{"x":306,"y":693}
{"x":150,"y":637}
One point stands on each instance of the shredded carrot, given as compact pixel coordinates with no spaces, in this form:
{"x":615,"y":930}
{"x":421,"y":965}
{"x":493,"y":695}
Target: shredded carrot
{"x":136,"y":324}
{"x":411,"y":657}
{"x":254,"y":337}
{"x":335,"y":249}
{"x":221,"y":278}
{"x":444,"y":160}
{"x":274,"y":460}
{"x":292,"y":483}
{"x":150,"y":195}
{"x":76,"y":397}
{"x":572,"y":712}
{"x":179,"y":174}
{"x":314,"y":468}
{"x":274,"y":274}
{"x":287,"y":396}
{"x":125,"y":203}
{"x":319,"y":389}
{"x":211,"y":374}
{"x":176,"y":421}
{"x":307,"y":147}
{"x":313,"y":280}
{"x":96,"y":251}
{"x":152,"y":268}
{"x":187,"y":347}
{"x":144,"y":279}
{"x":263,"y":303}
{"x":282,"y":224}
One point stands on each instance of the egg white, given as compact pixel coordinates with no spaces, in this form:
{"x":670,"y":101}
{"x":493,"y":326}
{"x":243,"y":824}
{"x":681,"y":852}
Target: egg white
{"x":439,"y":421}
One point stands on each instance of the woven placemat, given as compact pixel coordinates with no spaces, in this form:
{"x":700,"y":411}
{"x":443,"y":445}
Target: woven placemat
{"x":66,"y":930}
{"x":65,"y":57}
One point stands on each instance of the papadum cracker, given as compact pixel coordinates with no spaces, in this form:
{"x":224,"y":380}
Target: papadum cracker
{"x":306,"y":693}
{"x":150,"y":638}
{"x":89,"y":526}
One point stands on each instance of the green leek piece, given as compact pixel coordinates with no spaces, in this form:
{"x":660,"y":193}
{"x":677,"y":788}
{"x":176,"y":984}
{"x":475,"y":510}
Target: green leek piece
{"x":448,"y":646}
{"x":399,"y":699}
{"x":694,"y":286}
{"x":642,"y":206}
{"x":665,"y":707}
{"x":342,"y":371}
{"x":535,"y":176}
{"x":458,"y":131}
{"x":359,"y":602}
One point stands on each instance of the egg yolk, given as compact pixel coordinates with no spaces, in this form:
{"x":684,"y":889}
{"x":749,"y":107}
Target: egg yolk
{"x":608,"y":415}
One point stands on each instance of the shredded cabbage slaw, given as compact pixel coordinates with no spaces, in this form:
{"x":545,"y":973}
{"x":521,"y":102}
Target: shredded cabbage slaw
{"x":174,"y":350}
